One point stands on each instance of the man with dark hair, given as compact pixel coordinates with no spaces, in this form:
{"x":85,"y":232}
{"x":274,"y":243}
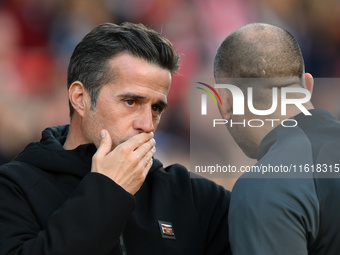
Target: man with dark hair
{"x":93,"y":187}
{"x":289,"y":202}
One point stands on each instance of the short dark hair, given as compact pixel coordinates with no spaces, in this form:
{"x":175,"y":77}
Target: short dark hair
{"x":259,"y":50}
{"x":89,"y":61}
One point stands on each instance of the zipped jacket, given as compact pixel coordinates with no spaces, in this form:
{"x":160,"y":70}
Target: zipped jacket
{"x":51,"y":203}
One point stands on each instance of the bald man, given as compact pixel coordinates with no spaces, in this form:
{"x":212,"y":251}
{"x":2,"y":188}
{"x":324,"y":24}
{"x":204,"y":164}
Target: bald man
{"x":279,"y":212}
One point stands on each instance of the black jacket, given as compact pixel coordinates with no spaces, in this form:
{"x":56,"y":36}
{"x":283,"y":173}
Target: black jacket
{"x":50,"y":203}
{"x":295,"y":209}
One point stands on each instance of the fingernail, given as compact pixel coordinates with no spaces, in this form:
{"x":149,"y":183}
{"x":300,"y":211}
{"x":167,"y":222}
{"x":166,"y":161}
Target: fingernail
{"x":102,"y":134}
{"x":151,"y":134}
{"x":153,"y":141}
{"x":154,"y":149}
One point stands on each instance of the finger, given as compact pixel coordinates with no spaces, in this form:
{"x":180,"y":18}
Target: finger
{"x":148,"y":165}
{"x":138,"y":140}
{"x":105,"y":145}
{"x":148,"y":157}
{"x":144,"y":155}
{"x":148,"y":161}
{"x":145,"y":148}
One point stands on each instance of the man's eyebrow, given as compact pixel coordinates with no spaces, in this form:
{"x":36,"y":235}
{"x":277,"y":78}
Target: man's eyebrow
{"x":162,"y":103}
{"x":131,"y":95}
{"x":134,"y":96}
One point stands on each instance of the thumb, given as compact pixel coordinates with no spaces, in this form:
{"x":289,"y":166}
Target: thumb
{"x":105,"y":144}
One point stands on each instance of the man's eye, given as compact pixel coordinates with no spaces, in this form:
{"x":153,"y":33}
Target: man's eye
{"x":157,"y":108}
{"x":130,"y":102}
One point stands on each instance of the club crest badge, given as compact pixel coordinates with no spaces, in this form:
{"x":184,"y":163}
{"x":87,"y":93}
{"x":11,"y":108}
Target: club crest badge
{"x":167,"y":230}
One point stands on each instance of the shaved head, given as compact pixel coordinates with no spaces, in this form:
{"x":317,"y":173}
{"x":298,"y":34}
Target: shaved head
{"x":261,"y":57}
{"x":259,"y":51}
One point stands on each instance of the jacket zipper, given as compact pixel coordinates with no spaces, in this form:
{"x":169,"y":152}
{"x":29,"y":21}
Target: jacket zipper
{"x":122,"y":245}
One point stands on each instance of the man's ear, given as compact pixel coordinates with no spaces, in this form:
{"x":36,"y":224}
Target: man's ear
{"x":309,"y":82}
{"x":77,"y":96}
{"x":226,"y":109}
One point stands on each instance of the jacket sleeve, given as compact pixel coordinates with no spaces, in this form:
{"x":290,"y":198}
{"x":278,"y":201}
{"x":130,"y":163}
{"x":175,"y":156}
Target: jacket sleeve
{"x":273,"y":216}
{"x":212,"y":206}
{"x":88,"y":222}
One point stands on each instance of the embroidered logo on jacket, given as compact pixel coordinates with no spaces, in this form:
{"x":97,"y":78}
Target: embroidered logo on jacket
{"x":167,"y":230}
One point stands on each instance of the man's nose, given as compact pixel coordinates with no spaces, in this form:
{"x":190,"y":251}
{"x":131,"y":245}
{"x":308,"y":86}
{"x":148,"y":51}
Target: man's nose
{"x":144,"y":121}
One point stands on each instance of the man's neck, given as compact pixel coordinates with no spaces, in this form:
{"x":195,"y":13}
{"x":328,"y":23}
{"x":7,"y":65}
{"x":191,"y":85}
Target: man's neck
{"x":73,"y":139}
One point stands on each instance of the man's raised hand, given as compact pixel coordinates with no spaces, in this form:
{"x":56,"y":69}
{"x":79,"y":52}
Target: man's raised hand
{"x":128,"y":163}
